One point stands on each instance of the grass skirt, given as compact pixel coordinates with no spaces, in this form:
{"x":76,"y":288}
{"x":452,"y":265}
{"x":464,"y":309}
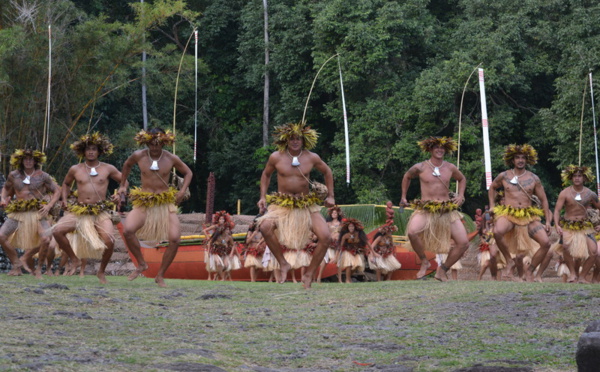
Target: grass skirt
{"x":518,"y":239}
{"x":232,"y":263}
{"x":292,"y":257}
{"x":437,"y":233}
{"x":385,"y":264}
{"x":440,"y":258}
{"x":293,"y":225}
{"x":347,"y":259}
{"x":483,"y":258}
{"x":303,"y":259}
{"x":214,"y":261}
{"x":562,"y":269}
{"x":576,"y":242}
{"x":156,"y":228}
{"x":27,"y":235}
{"x":85,"y":240}
{"x":253,"y":261}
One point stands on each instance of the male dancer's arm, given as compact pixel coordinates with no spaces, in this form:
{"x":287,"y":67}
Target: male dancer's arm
{"x":413,"y":172}
{"x":7,"y":190}
{"x":328,"y":174}
{"x":187,"y":177}
{"x":265,"y":180}
{"x":462,"y":186}
{"x":69,"y":178}
{"x":56,"y":192}
{"x":539,"y":191}
{"x":496,"y":184}
{"x":559,"y":206}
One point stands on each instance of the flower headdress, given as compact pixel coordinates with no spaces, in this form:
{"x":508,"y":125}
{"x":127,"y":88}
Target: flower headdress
{"x":352,"y":221}
{"x":101,"y":141}
{"x":283,"y":133}
{"x":336,"y":209}
{"x":17,"y":157}
{"x":228,"y":221}
{"x":527,"y":150}
{"x":154,"y":136}
{"x":388,"y":229}
{"x":567,"y":174}
{"x":447,"y":143}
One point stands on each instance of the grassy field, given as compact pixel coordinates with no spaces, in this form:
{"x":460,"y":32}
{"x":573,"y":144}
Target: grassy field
{"x":73,"y":324}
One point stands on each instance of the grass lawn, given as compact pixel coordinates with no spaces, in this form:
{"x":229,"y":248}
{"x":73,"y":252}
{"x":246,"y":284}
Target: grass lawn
{"x":74,"y":324}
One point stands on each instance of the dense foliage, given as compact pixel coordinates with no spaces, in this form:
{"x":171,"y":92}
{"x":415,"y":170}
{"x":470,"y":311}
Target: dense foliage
{"x":405,"y":64}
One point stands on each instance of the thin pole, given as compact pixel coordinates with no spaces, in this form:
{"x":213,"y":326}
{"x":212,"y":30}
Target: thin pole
{"x":486,"y":134}
{"x":196,"y":94}
{"x":177,"y":86}
{"x":581,"y":122}
{"x":265,"y":136}
{"x":46,"y":135}
{"x":144,"y":101}
{"x":347,"y":137}
{"x":595,"y":134}
{"x":462,"y":98}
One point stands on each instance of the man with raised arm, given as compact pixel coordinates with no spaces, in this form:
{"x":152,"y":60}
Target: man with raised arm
{"x":294,"y":210}
{"x":436,"y":220}
{"x":575,"y":228}
{"x":154,"y":215}
{"x":26,"y":226}
{"x":517,"y":222}
{"x":89,"y":215}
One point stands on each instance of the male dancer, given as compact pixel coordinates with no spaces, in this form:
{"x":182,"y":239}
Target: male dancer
{"x":436,"y":220}
{"x":517,"y":222}
{"x":294,"y":211}
{"x":154,"y":215}
{"x":89,"y":215}
{"x":26,"y":226}
{"x":575,"y":226}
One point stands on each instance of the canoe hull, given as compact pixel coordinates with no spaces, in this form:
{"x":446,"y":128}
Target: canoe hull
{"x":189,"y":263}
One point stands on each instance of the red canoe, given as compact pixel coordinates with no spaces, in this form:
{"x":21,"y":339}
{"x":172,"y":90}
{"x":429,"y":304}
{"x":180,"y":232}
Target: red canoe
{"x":189,"y":264}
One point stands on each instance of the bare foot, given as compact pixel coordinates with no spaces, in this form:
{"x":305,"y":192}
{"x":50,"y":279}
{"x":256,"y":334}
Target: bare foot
{"x":73,"y":267}
{"x":425,"y":264}
{"x":538,"y":279}
{"x":583,"y":281}
{"x":572,"y":279}
{"x":138,"y":271}
{"x":529,"y":276}
{"x":25,"y":266}
{"x":81,"y":274}
{"x":306,"y":281}
{"x":160,"y":281}
{"x":15,"y":271}
{"x":284,"y":270}
{"x":508,"y":270}
{"x":441,"y":275}
{"x":102,"y":277}
{"x":38,"y":273}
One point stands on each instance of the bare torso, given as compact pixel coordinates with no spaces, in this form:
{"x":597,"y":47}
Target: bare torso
{"x":290,"y":179}
{"x":434,"y":187}
{"x":576,"y":210}
{"x":155,"y":181}
{"x":92,"y":189}
{"x":40,"y":185}
{"x":513,"y":193}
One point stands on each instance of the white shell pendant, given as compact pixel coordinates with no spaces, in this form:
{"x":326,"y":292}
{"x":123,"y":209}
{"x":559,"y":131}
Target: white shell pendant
{"x":436,"y":172}
{"x":93,"y":172}
{"x":154,"y":165}
{"x":578,"y":197}
{"x":295,"y":161}
{"x":515,"y":180}
{"x":27,"y":180}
